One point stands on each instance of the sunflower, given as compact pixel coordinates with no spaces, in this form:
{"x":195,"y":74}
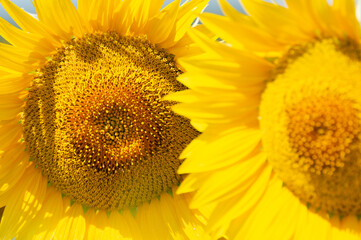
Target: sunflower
{"x":88,"y":147}
{"x":278,"y":103}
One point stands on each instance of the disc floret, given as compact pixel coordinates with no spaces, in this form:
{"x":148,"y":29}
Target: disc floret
{"x":310,"y":115}
{"x":96,"y":125}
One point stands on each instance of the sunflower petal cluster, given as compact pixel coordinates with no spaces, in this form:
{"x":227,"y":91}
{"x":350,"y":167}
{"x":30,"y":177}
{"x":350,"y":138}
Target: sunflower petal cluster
{"x":88,"y":148}
{"x":264,"y":142}
{"x":276,"y":97}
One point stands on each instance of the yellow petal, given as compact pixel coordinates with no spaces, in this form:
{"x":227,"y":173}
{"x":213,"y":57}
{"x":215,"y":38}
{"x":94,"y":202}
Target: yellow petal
{"x":160,"y":27}
{"x":10,"y":106}
{"x":13,"y":82}
{"x":140,"y":14}
{"x":276,"y":222}
{"x":65,"y":22}
{"x":11,"y":160}
{"x":10,"y":133}
{"x":123,"y":17}
{"x":100,"y":15}
{"x":186,"y":16}
{"x":24,"y":204}
{"x":155,"y":7}
{"x":345,"y":10}
{"x":192,"y":182}
{"x":43,"y":225}
{"x":115,"y":226}
{"x":312,"y":225}
{"x":228,"y":182}
{"x":325,"y":20}
{"x":72,"y":223}
{"x":10,"y":177}
{"x":243,"y":71}
{"x":151,"y":221}
{"x":183,"y":221}
{"x":240,"y":204}
{"x":228,"y":148}
{"x":16,"y":59}
{"x":277,"y":20}
{"x":232,"y":13}
{"x":170,"y":218}
{"x":245,"y":35}
{"x":26,"y":22}
{"x":199,"y":82}
{"x":25,"y":40}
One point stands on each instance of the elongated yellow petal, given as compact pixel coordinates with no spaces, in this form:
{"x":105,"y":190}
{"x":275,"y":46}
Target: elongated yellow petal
{"x":278,"y":21}
{"x":346,"y":228}
{"x":101,"y":15}
{"x":225,"y":28}
{"x":12,"y":176}
{"x":43,"y":225}
{"x":312,"y":226}
{"x":199,"y":83}
{"x":65,"y":23}
{"x":10,"y":133}
{"x":233,"y":14}
{"x":247,"y":60}
{"x":16,"y":59}
{"x":123,"y":17}
{"x":155,"y":7}
{"x":187,"y":13}
{"x":238,"y":205}
{"x":24,"y":205}
{"x":170,"y":218}
{"x":149,"y":213}
{"x":191,"y":183}
{"x":140,"y":11}
{"x":114,"y":226}
{"x":269,"y":222}
{"x":211,"y":158}
{"x":181,"y":220}
{"x":347,"y":21}
{"x":24,"y":40}
{"x":162,"y":24}
{"x":90,"y":11}
{"x":234,"y":73}
{"x":72,"y":224}
{"x":10,"y":160}
{"x":237,"y":179}
{"x":10,"y":106}
{"x":27,"y":22}
{"x":11,"y":83}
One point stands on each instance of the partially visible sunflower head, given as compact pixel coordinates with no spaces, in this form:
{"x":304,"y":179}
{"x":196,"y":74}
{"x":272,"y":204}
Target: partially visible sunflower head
{"x":88,"y":147}
{"x":279,"y":106}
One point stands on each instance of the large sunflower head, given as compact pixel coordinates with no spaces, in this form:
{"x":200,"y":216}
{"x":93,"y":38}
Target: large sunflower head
{"x":279,"y":106}
{"x":88,"y":147}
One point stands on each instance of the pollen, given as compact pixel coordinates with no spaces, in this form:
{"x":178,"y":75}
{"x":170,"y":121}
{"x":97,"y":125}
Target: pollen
{"x":311,"y":118}
{"x":321,"y":131}
{"x":96,"y":125}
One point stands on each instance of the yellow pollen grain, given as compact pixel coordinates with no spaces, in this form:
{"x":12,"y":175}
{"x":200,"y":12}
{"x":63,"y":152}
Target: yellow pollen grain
{"x":96,"y":125}
{"x":321,"y":131}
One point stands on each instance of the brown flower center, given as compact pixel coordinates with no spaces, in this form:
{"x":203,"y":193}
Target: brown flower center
{"x":96,"y":125}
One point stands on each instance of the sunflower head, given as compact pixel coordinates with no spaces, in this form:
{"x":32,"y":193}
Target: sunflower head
{"x":312,"y":122}
{"x":82,"y":93}
{"x":95,"y":123}
{"x":279,"y":106}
